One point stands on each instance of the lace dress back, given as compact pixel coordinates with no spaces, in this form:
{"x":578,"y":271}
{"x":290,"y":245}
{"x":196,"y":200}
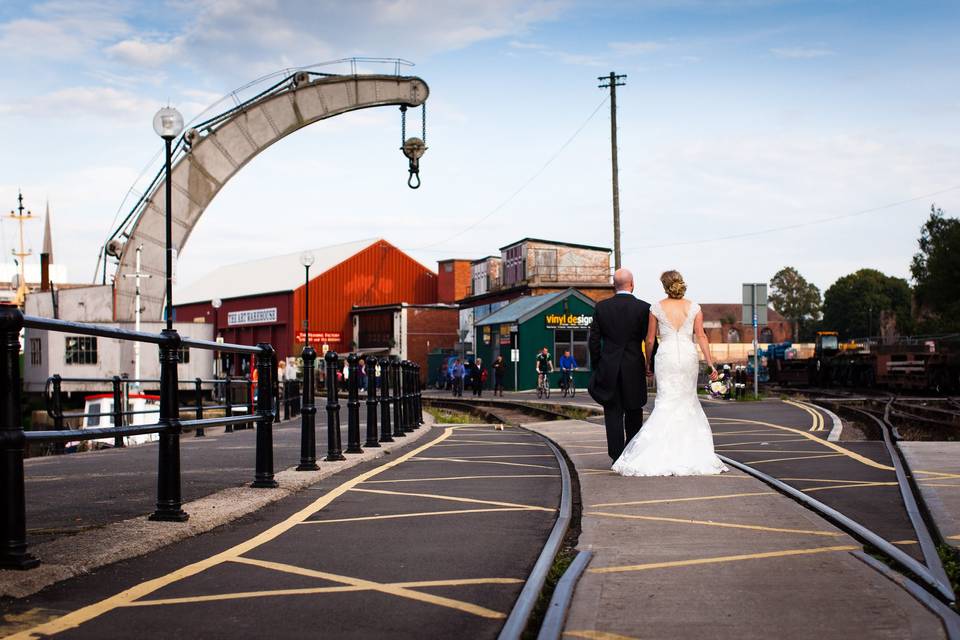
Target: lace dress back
{"x":676,"y":439}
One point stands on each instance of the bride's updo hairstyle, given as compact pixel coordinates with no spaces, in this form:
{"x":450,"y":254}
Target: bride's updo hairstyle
{"x":673,"y":284}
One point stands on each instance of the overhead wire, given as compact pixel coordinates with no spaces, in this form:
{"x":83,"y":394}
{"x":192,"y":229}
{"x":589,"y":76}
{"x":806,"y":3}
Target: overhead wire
{"x":798,"y":225}
{"x":523,"y":186}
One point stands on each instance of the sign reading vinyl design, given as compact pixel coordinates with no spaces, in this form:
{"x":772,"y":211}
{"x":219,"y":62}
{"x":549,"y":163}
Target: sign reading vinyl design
{"x":567,"y":321}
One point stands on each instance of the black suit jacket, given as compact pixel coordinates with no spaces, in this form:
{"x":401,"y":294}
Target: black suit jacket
{"x":616,"y":337}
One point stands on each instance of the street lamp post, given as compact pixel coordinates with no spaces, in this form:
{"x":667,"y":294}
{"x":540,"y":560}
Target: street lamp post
{"x":308,"y":409}
{"x":168,"y":123}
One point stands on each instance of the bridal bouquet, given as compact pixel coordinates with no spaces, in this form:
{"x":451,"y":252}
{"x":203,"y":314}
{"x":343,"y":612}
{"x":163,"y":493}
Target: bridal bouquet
{"x":718,"y":388}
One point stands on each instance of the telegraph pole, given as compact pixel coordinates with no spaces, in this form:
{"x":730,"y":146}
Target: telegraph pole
{"x":613,"y":81}
{"x":23,"y":253}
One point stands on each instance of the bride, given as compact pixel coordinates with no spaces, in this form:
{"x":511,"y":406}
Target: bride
{"x":676,"y":439}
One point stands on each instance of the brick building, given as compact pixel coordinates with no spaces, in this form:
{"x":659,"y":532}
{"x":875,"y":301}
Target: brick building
{"x":408,"y":330}
{"x":722,"y":324}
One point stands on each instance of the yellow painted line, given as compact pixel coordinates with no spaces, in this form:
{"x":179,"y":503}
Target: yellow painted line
{"x":772,"y":450}
{"x":850,"y":486}
{"x":740,"y":444}
{"x":394,"y":516}
{"x":497,"y":457}
{"x":509,"y":464}
{"x":956,"y":537}
{"x":593,"y":634}
{"x":493,"y":443}
{"x":74,"y":619}
{"x":711,"y":523}
{"x":509,"y":476}
{"x":817,"y":418}
{"x":315,"y":590}
{"x":455,"y":499}
{"x":387,"y":588}
{"x":721,"y":559}
{"x":833,"y":480}
{"x":821,"y":455}
{"x":748,"y":432}
{"x":668,"y":500}
{"x":905,"y":542}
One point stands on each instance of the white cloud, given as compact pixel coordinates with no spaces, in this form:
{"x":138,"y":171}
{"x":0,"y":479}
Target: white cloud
{"x":802,"y":53}
{"x":73,"y":102}
{"x":62,"y":30}
{"x":143,"y":53}
{"x":635,"y":48}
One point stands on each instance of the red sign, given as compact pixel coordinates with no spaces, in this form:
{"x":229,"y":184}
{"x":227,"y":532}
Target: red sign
{"x":319,"y":336}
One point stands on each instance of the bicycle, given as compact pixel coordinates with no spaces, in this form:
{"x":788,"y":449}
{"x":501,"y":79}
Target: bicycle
{"x":568,"y":386}
{"x":543,"y":386}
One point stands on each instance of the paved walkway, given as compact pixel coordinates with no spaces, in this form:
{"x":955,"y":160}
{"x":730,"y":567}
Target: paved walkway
{"x":718,"y":557}
{"x":941,"y":495}
{"x":436,"y":542}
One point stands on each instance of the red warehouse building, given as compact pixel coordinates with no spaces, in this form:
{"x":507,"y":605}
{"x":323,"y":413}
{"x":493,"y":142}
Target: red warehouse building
{"x":263,"y":300}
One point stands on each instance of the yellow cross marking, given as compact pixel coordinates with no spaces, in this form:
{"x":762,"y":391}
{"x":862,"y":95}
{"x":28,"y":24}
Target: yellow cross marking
{"x":711,"y":523}
{"x":720,"y":559}
{"x":394,"y":516}
{"x":75,"y":618}
{"x":314,"y":590}
{"x":781,"y":435}
{"x":494,"y":443}
{"x":509,"y":464}
{"x":455,"y":499}
{"x":390,"y":589}
{"x":821,"y":455}
{"x":667,"y":500}
{"x":772,"y":450}
{"x":512,"y":476}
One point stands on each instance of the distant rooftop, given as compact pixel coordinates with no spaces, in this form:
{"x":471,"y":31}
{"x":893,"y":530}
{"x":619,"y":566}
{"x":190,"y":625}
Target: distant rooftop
{"x":557,"y":242}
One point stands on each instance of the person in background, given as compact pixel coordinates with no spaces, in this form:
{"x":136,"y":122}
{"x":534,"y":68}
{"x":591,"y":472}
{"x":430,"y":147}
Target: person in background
{"x":478,"y":376}
{"x":567,"y":364}
{"x":457,"y":373}
{"x":499,"y":369}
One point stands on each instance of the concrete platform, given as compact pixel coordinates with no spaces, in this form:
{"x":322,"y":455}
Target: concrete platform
{"x":942,"y":494}
{"x":718,"y":557}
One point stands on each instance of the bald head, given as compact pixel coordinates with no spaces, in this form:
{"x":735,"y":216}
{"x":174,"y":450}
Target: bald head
{"x":623,"y":280}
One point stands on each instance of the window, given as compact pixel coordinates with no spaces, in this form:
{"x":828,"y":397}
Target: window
{"x":183,"y":355}
{"x":733,"y":336}
{"x":93,"y":419}
{"x":80,"y":350}
{"x":36,"y":356}
{"x":574,"y":340}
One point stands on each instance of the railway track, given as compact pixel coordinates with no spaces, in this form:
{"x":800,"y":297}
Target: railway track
{"x":890,"y":518}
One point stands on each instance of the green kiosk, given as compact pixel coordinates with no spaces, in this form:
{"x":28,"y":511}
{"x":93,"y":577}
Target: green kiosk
{"x":558,"y":321}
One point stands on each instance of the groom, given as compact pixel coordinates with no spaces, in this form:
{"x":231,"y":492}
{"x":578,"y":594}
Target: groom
{"x":619,"y":380}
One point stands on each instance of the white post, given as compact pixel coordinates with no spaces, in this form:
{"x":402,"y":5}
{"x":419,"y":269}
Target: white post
{"x":136,"y":275}
{"x":756,"y":347}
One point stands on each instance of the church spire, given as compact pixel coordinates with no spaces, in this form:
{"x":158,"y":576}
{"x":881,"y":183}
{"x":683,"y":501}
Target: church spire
{"x":47,"y":236}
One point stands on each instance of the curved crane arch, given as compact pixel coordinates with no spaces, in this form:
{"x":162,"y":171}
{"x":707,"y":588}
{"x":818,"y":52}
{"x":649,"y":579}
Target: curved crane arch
{"x":217,"y":152}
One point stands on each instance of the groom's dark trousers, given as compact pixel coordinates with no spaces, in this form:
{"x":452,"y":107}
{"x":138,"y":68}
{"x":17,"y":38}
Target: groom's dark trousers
{"x":619,"y":380}
{"x":622,"y":424}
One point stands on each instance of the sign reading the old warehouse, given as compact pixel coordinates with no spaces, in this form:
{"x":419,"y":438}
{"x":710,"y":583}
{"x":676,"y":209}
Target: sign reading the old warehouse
{"x":567,"y":320}
{"x":252,"y":316}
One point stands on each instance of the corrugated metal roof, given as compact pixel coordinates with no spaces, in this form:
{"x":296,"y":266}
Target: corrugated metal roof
{"x":266,"y":275}
{"x":519,"y":308}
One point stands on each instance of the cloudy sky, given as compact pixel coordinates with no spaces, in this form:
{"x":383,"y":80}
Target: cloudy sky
{"x":743,"y":125}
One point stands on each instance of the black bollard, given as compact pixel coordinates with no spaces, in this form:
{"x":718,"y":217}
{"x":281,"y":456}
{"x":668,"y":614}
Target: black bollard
{"x":405,"y":396}
{"x":419,"y":392}
{"x":371,"y":368}
{"x":386,"y":434}
{"x":13,"y":512}
{"x":414,"y":419}
{"x":250,"y":407}
{"x":263,"y":476}
{"x":118,"y":409}
{"x":228,"y":401}
{"x":334,"y":451}
{"x":287,"y":399}
{"x":353,"y":404}
{"x":198,"y":399}
{"x":275,"y":390}
{"x":398,"y":431}
{"x":308,"y":417}
{"x":169,"y":500}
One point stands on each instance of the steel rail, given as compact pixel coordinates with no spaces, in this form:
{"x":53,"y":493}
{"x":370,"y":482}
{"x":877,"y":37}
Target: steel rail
{"x":553,"y":622}
{"x":854,"y":528}
{"x":520,"y":614}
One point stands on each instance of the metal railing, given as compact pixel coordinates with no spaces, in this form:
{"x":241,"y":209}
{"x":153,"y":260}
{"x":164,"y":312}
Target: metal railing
{"x":169,"y":425}
{"x":394,"y":396}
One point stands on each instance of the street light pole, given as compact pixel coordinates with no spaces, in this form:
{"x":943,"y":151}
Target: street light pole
{"x":168,"y":123}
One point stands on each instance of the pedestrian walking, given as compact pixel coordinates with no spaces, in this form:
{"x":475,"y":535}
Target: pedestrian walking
{"x":499,"y":368}
{"x":457,"y":373}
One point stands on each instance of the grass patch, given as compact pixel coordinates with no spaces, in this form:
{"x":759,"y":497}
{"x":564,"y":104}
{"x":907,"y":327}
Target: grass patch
{"x":950,"y":558}
{"x":445,"y":416}
{"x":560,"y":563}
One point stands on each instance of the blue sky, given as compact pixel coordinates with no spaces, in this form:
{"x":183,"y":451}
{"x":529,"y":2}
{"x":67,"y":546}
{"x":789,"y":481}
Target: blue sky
{"x":737,"y":116}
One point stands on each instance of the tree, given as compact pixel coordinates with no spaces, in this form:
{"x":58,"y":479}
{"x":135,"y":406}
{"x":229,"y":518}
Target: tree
{"x":935,"y":271}
{"x":794,"y":298}
{"x":854,"y":303}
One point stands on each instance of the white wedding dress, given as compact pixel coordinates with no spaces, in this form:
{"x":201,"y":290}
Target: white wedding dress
{"x":676,"y":439}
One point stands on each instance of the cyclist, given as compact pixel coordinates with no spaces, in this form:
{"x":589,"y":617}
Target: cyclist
{"x":567,"y":364}
{"x":544,"y":365}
